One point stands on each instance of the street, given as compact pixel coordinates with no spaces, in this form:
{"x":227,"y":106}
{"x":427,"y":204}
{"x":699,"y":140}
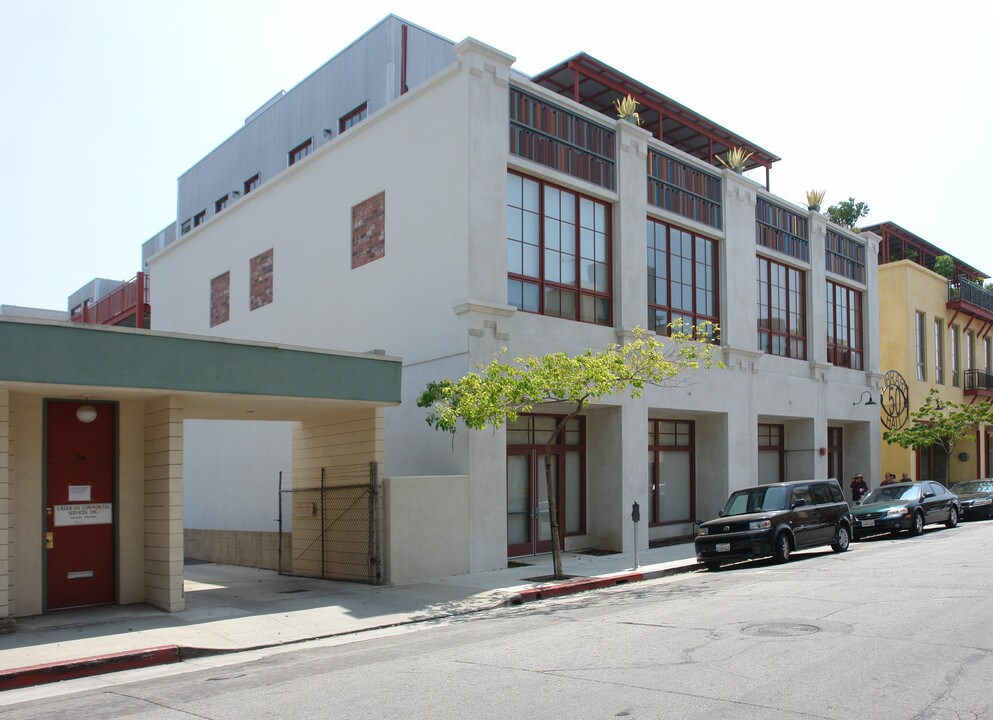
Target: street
{"x":895,"y":628}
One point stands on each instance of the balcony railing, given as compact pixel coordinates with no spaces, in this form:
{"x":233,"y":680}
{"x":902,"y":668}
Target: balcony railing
{"x":545,"y":133}
{"x":130,"y":299}
{"x":972,"y":293}
{"x":978,"y":382}
{"x":684,"y":189}
{"x":781,"y":229}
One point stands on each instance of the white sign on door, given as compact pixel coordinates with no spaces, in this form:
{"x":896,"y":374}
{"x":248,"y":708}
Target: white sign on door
{"x":84,"y":514}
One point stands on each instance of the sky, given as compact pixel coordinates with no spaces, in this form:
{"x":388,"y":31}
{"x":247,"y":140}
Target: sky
{"x":105,"y":103}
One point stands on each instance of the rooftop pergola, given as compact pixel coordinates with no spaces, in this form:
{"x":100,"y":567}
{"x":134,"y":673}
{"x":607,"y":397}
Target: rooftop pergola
{"x":898,"y":243}
{"x":596,"y":85}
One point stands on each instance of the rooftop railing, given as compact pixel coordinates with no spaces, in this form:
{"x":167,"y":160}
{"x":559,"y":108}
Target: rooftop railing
{"x":679,"y":187}
{"x":972,"y":293}
{"x":121,"y":302}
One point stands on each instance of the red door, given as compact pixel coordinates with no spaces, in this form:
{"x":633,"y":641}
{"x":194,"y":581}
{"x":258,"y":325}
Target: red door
{"x":79,"y":507}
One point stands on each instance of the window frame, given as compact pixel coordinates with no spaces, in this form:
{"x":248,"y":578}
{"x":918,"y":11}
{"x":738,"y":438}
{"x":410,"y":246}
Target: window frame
{"x":300,"y":151}
{"x":851,"y":354}
{"x":765,"y":304}
{"x":655,"y":448}
{"x":695,"y":316}
{"x":252,"y":183}
{"x":353,"y":117}
{"x":780,"y":447}
{"x":920,"y":345}
{"x":540,"y":281}
{"x":221,"y":203}
{"x":939,"y":351}
{"x":956,"y":359}
{"x":200,"y":218}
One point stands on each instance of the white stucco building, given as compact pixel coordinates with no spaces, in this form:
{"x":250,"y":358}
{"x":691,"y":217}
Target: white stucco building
{"x":476,"y":209}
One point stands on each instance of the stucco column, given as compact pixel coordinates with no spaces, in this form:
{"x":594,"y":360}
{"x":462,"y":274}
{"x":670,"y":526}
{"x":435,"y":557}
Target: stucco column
{"x":630,"y":265}
{"x":5,"y":511}
{"x":739,"y":313}
{"x":164,"y":503}
{"x":816,"y":300}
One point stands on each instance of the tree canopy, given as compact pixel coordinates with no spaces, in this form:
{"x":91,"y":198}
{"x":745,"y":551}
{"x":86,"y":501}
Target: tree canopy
{"x":847,"y":213}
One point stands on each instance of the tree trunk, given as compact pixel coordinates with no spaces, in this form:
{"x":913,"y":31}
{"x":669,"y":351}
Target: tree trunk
{"x":553,"y":515}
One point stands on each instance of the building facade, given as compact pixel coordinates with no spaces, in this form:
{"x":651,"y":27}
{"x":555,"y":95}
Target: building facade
{"x":482,"y":210}
{"x":935,"y":332}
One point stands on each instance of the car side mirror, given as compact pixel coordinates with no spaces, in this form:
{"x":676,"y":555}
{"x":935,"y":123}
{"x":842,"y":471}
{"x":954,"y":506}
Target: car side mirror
{"x":799,"y":503}
{"x":928,"y":494}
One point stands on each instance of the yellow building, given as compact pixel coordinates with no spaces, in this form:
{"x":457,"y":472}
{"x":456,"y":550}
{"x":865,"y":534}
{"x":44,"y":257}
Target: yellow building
{"x":936,"y":333}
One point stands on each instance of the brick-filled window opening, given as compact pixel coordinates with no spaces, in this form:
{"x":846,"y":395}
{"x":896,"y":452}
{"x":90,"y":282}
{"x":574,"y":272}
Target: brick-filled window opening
{"x":671,"y":471}
{"x":260,"y":280}
{"x":682,"y":279}
{"x":939,"y":352}
{"x":354,"y":117}
{"x":782,"y":311}
{"x":199,"y":218}
{"x":844,"y":326}
{"x":369,"y":230}
{"x":558,"y":252}
{"x":956,"y":380}
{"x":772,"y":453}
{"x":252,"y":183}
{"x":220,"y":299}
{"x":920,"y":345}
{"x":301,"y":151}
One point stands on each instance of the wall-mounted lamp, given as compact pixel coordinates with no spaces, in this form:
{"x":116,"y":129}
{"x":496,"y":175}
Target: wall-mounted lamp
{"x":86,"y":413}
{"x":862,"y":399}
{"x":328,"y":132}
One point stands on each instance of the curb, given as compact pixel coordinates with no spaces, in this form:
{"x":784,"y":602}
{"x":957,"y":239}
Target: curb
{"x":85,"y":667}
{"x":583,"y":584}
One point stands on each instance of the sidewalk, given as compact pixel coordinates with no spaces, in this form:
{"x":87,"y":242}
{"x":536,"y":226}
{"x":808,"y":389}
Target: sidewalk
{"x":230,"y":609}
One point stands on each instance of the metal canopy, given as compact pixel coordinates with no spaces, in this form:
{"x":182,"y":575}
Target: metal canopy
{"x":597,"y":85}
{"x":895,"y":240}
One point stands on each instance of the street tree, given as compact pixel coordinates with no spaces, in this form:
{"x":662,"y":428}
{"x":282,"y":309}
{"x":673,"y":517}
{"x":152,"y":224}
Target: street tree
{"x":940,"y":423}
{"x":847,"y":213}
{"x":500,"y":391}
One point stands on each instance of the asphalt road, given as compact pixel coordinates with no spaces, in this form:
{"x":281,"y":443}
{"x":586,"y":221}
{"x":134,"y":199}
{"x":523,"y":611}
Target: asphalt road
{"x":894,"y":628}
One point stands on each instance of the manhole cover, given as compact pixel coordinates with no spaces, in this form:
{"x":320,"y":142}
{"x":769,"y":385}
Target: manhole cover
{"x":780,"y":629}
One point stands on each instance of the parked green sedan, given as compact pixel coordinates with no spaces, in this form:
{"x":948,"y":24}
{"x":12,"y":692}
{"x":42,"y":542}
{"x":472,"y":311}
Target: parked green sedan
{"x":905,"y":506}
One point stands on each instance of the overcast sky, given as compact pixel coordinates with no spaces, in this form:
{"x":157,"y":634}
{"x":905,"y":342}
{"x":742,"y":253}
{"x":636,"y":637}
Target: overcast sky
{"x":106,"y":102}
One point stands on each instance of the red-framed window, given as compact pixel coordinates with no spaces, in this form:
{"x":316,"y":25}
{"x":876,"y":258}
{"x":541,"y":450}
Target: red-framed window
{"x":844,"y":326}
{"x":835,"y":453}
{"x":782,"y":321}
{"x":920,"y":345}
{"x":199,"y":218}
{"x":301,"y":151}
{"x":222,"y":202}
{"x":252,"y":183}
{"x":354,"y":117}
{"x":956,"y":376}
{"x":671,"y":471}
{"x":772,"y":453}
{"x":939,"y":352}
{"x":558,"y":252}
{"x":682,"y":278}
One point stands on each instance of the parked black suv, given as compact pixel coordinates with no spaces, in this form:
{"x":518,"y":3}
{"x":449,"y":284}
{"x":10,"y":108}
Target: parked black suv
{"x":774,"y":520}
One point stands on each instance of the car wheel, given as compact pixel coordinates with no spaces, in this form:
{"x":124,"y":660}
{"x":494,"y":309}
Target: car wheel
{"x":918,"y":527}
{"x":782,"y":552}
{"x":841,"y":539}
{"x":953,"y":517}
{"x":713,"y":565}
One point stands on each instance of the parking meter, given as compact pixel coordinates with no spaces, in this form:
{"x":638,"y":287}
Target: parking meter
{"x":635,"y":518}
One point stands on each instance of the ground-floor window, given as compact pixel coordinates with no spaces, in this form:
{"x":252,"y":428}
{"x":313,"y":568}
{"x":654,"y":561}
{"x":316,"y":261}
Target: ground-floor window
{"x":671,"y":476}
{"x":771,"y":453}
{"x":931,"y":464}
{"x":834,"y":453}
{"x":528,"y":530}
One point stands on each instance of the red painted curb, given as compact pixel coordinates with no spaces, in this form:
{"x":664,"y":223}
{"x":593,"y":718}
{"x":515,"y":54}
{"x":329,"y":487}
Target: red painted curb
{"x":577,"y":586}
{"x":85,"y":667}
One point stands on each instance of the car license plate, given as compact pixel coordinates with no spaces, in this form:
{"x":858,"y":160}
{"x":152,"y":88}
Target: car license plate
{"x":723,"y":547}
{"x":868,"y":523}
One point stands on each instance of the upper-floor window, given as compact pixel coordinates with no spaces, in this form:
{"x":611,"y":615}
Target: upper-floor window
{"x":781,"y":229}
{"x":988,"y":353}
{"x":301,"y":151}
{"x":844,"y":326}
{"x":558,"y":252}
{"x":252,"y":183}
{"x":682,"y":278}
{"x":782,"y":316}
{"x":354,"y":117}
{"x":222,"y":202}
{"x":185,"y":227}
{"x":844,"y":256}
{"x":956,"y":382}
{"x":939,"y":352}
{"x":920,"y":343}
{"x":970,"y":350}
{"x":199,"y":218}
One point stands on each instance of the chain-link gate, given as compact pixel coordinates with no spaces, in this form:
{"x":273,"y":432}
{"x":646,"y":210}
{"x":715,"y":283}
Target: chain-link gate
{"x":329,"y":522}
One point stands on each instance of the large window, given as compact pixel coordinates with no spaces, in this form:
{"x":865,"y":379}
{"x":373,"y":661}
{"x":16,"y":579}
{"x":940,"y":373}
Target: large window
{"x":782,"y":321}
{"x":844,"y":326}
{"x":682,"y":278}
{"x":920,"y":343}
{"x":558,"y":252}
{"x":939,"y":352}
{"x":970,"y":350}
{"x":956,"y":381}
{"x":932,"y":463}
{"x":988,"y":354}
{"x":671,"y":479}
{"x":772,"y":453}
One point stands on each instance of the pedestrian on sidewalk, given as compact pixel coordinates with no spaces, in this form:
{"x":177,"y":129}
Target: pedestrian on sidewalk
{"x":858,"y":487}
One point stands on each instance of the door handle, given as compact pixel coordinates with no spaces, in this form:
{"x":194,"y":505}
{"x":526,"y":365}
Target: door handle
{"x":49,"y":540}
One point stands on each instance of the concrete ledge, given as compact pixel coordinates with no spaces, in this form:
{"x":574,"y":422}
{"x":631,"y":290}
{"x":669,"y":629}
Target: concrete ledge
{"x":85,"y":667}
